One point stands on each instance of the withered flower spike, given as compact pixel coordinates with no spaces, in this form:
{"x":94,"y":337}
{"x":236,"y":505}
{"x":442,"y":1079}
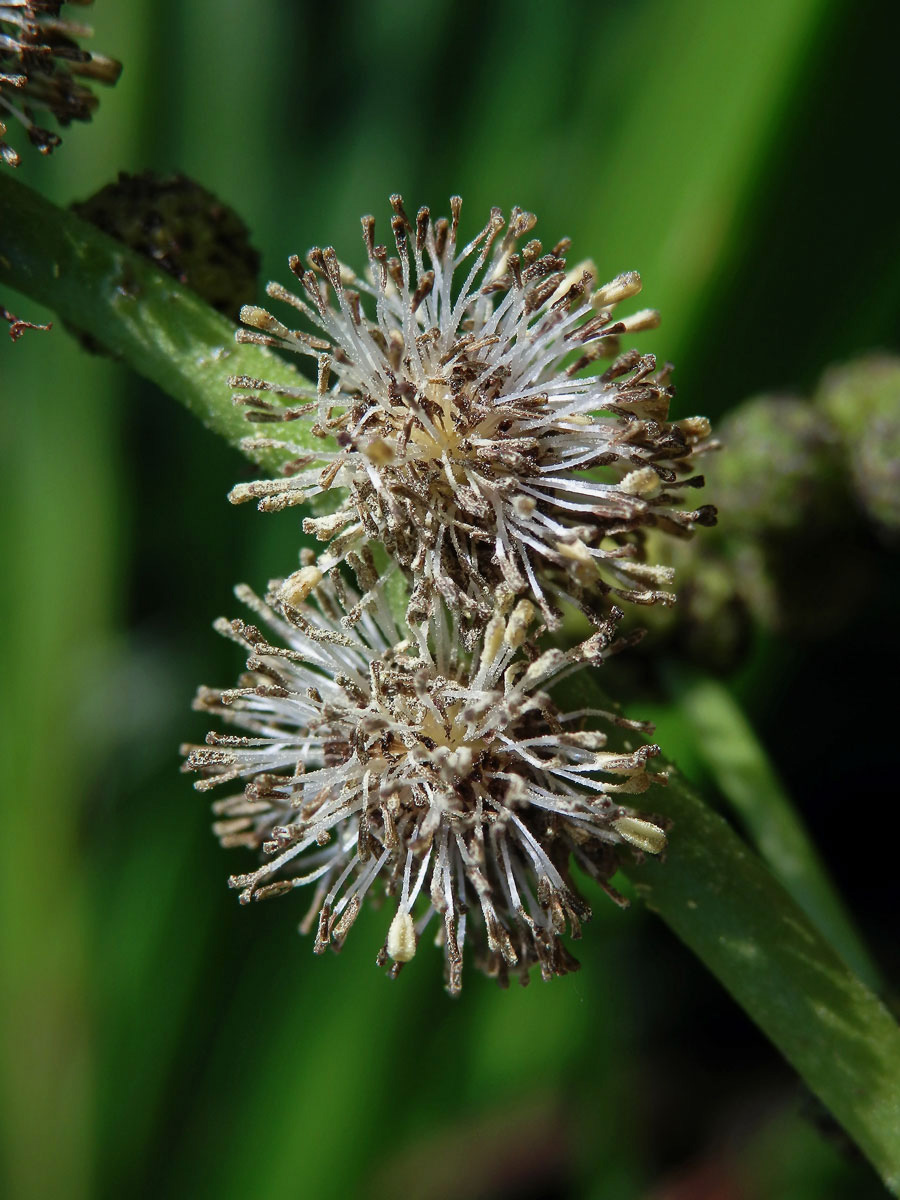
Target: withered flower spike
{"x":17,"y":325}
{"x":449,"y":781}
{"x":469,"y":443}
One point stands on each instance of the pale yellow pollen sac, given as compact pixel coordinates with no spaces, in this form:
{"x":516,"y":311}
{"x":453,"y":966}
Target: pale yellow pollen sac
{"x":695,"y":427}
{"x":401,"y":939}
{"x":297,"y":586}
{"x":258,"y":318}
{"x":575,"y":275}
{"x":620,"y":288}
{"x":655,"y":573}
{"x":524,"y":506}
{"x":493,"y":640}
{"x":647,"y":318}
{"x":642,"y":482}
{"x":327,"y":527}
{"x":242,"y":492}
{"x":379,"y":453}
{"x":577,"y":552}
{"x":520,"y":619}
{"x":547,"y":664}
{"x":643,"y":834}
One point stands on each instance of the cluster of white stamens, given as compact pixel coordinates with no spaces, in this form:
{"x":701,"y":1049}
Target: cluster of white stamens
{"x":475,"y":440}
{"x":374,"y":753}
{"x":468,"y":438}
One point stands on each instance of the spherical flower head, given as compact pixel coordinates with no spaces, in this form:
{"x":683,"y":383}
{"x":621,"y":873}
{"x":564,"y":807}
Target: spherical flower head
{"x":470,"y":440}
{"x":389,"y":761}
{"x":43,"y":69}
{"x":862,"y":399}
{"x":780,"y":471}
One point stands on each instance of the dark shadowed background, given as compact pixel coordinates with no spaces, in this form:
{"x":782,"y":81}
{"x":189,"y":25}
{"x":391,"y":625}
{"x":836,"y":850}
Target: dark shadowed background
{"x":158,"y":1040}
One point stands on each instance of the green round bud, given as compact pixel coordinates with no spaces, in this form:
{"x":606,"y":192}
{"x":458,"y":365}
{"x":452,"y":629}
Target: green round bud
{"x":185,"y":230}
{"x":862,"y":400}
{"x":710,"y":621}
{"x":778,"y":471}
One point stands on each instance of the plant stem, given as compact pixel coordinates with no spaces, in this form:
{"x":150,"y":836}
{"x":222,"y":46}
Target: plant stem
{"x":728,"y":748}
{"x":139,"y":314}
{"x":723,"y":903}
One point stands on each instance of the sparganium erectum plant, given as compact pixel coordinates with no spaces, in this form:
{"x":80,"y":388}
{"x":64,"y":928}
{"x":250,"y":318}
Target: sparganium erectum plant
{"x":424,"y":724}
{"x":482,"y":447}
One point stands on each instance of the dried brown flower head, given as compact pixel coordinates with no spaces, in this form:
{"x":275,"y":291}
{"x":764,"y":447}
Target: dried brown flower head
{"x":450,"y":781}
{"x":17,"y":325}
{"x":471,"y":442}
{"x":43,"y":69}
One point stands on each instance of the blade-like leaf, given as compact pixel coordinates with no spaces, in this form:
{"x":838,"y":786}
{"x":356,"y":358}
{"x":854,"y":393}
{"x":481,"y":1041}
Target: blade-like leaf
{"x":723,"y":903}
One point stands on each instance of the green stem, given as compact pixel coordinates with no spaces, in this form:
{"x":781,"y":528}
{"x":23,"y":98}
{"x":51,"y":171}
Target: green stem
{"x":723,"y":903}
{"x":727,"y":747}
{"x":162,"y":330}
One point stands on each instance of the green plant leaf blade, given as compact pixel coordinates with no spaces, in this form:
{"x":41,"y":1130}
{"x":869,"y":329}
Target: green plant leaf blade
{"x":723,"y":903}
{"x":740,"y":767}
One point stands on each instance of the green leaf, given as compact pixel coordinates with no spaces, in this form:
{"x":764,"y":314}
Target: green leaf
{"x":723,"y":903}
{"x":678,"y":173}
{"x":727,"y":746}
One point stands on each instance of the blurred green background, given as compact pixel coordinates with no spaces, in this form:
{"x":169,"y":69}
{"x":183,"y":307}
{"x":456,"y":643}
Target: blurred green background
{"x":158,"y":1040}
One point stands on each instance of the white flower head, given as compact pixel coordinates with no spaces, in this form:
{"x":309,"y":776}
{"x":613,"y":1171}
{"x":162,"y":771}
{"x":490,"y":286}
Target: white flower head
{"x":447,"y":780}
{"x":469,"y":439}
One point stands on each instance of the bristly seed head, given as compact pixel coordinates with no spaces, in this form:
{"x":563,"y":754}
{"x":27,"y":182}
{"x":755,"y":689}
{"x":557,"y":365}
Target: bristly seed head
{"x":447,"y":780}
{"x":470,"y":442}
{"x":41,"y":70}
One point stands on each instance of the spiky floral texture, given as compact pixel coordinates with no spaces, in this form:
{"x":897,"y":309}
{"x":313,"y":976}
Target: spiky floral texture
{"x":43,"y":69}
{"x":465,"y":425}
{"x":451,"y":781}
